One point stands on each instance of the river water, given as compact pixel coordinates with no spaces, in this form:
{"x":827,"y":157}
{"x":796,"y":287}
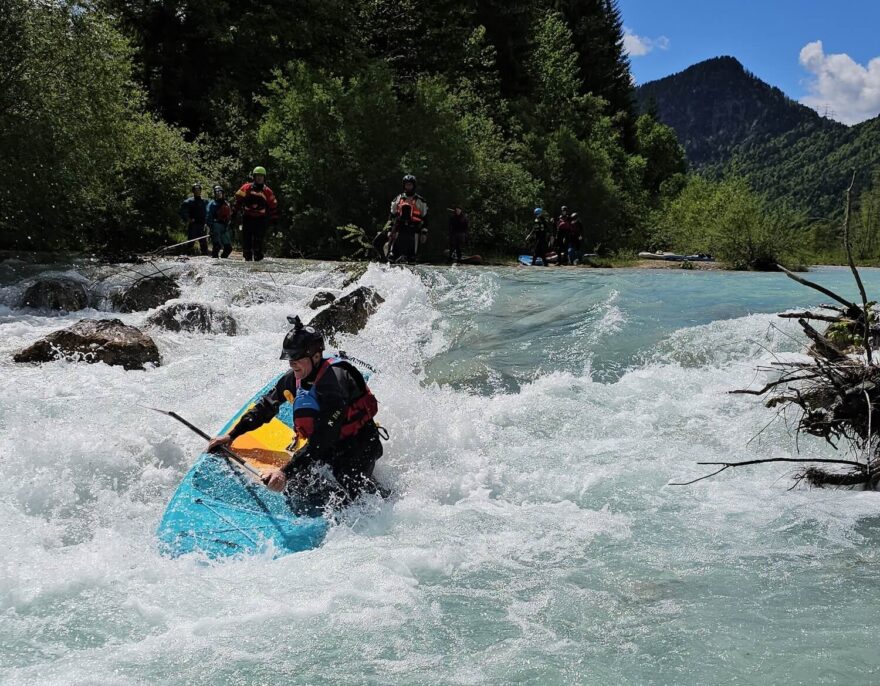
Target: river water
{"x":536,"y":418}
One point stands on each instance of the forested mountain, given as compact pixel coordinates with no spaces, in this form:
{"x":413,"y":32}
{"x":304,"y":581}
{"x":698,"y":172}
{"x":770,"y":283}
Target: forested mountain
{"x":716,"y":107}
{"x":732,"y":123}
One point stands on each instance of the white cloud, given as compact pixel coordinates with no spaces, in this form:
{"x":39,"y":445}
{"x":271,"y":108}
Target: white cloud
{"x":636,"y":46}
{"x":840,"y":86}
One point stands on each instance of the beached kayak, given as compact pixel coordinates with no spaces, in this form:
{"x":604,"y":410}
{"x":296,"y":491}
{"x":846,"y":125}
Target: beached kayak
{"x":220,"y":509}
{"x":675,"y":257}
{"x":527,"y":260}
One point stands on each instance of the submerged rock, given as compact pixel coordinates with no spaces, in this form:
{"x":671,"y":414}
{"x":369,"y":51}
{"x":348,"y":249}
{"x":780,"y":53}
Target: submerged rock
{"x":348,"y":314}
{"x":95,"y":340}
{"x":322,"y":298}
{"x":145,"y":294}
{"x":255,"y":295}
{"x":193,"y":317}
{"x":56,"y":293}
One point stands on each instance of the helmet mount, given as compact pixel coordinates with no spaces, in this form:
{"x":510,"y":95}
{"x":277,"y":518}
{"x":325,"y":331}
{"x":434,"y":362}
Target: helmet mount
{"x":301,"y":341}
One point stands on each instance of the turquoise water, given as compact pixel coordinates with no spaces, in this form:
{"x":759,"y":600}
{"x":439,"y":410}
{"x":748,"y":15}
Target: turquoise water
{"x":536,"y":417}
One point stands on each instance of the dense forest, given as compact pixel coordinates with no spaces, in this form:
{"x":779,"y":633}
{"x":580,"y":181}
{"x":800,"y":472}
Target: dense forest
{"x":112,"y":108}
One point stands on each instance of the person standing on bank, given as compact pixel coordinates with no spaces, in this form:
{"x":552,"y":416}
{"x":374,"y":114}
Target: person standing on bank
{"x":409,"y":223}
{"x":539,"y":237}
{"x":258,"y":205}
{"x":459,"y":225}
{"x":194,"y":210}
{"x":575,"y":248}
{"x":563,"y":236}
{"x":220,"y":221}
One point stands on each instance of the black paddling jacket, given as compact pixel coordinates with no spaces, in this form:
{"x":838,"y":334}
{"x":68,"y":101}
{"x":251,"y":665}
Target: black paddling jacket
{"x":332,"y":405}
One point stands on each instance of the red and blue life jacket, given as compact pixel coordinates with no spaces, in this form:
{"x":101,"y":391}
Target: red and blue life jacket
{"x":358,"y":414}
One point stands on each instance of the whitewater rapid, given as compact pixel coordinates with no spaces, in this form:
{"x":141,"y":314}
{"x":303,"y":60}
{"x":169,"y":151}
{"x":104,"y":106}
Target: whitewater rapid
{"x":536,"y":419}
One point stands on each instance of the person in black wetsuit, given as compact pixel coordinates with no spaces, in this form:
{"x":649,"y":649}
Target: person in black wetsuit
{"x":332,"y":407}
{"x":540,"y":234}
{"x":193,"y":211}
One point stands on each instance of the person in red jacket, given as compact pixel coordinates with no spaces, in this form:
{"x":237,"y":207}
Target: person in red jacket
{"x":258,"y":205}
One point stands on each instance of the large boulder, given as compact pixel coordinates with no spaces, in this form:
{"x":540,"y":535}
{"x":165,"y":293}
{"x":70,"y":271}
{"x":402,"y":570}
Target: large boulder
{"x":95,"y":340}
{"x":348,"y":314}
{"x":193,"y":317}
{"x":56,"y":293}
{"x":321,"y":298}
{"x":146,"y":293}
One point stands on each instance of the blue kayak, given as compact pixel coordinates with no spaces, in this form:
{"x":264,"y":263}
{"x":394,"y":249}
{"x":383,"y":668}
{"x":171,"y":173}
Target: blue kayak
{"x":220,"y":509}
{"x":527,"y":260}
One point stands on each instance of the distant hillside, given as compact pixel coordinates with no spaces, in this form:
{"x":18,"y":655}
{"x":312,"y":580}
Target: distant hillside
{"x":716,"y":106}
{"x":727,"y":119}
{"x":810,"y":171}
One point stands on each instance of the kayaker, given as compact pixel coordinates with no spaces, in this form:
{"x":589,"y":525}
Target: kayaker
{"x":193,"y":211}
{"x":562,"y":240}
{"x":538,"y":236}
{"x":409,"y":223}
{"x":332,"y":407}
{"x":576,"y":239}
{"x":219,"y":221}
{"x":459,"y":226}
{"x":258,"y":205}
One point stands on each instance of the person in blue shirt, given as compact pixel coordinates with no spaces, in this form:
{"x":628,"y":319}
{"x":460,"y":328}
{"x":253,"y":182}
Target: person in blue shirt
{"x":219,"y":220}
{"x":194,"y":211}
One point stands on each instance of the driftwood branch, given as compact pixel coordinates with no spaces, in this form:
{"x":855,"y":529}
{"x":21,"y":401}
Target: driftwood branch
{"x":728,"y":465}
{"x":852,"y":266}
{"x":825,"y":347}
{"x":810,"y":284}
{"x":811,"y":315}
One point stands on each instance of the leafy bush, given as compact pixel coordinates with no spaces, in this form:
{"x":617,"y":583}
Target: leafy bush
{"x":97,"y":171}
{"x":728,"y":220}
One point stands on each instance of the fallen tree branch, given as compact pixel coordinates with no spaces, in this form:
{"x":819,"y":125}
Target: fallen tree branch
{"x":811,"y":315}
{"x":810,"y":284}
{"x":852,"y":266}
{"x":728,"y":465}
{"x":823,"y":346}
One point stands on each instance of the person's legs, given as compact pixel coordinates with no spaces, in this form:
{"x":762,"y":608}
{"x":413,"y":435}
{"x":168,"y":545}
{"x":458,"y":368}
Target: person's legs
{"x":216,"y":239}
{"x":404,"y":247}
{"x":455,"y":252}
{"x":260,"y":227}
{"x":247,"y":238}
{"x":379,"y":245}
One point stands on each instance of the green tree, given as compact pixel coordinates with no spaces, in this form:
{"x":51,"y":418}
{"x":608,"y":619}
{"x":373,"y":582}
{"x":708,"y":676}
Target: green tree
{"x":663,"y":155}
{"x":97,"y":168}
{"x":729,"y":220}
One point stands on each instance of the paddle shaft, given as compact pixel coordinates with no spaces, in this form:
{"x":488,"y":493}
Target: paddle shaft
{"x":226,"y":451}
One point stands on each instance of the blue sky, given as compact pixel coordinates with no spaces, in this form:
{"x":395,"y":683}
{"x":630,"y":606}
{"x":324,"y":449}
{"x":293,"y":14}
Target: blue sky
{"x":818,"y":52}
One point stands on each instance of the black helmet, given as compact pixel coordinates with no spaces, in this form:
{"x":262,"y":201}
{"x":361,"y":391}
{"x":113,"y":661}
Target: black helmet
{"x":409,"y":178}
{"x":301,"y":341}
{"x":196,"y":185}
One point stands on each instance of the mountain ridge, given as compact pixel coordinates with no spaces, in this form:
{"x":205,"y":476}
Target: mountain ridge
{"x":730,"y":121}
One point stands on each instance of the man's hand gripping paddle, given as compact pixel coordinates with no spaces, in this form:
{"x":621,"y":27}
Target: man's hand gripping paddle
{"x":224,"y":451}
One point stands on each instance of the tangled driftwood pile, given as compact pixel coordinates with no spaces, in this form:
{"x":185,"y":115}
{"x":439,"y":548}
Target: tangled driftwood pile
{"x":833,"y":393}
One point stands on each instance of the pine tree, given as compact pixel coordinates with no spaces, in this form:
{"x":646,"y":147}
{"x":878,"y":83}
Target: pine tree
{"x":597,"y":26}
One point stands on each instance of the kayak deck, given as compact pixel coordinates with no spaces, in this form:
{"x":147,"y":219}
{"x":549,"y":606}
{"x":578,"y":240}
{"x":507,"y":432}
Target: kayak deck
{"x":219,"y":510}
